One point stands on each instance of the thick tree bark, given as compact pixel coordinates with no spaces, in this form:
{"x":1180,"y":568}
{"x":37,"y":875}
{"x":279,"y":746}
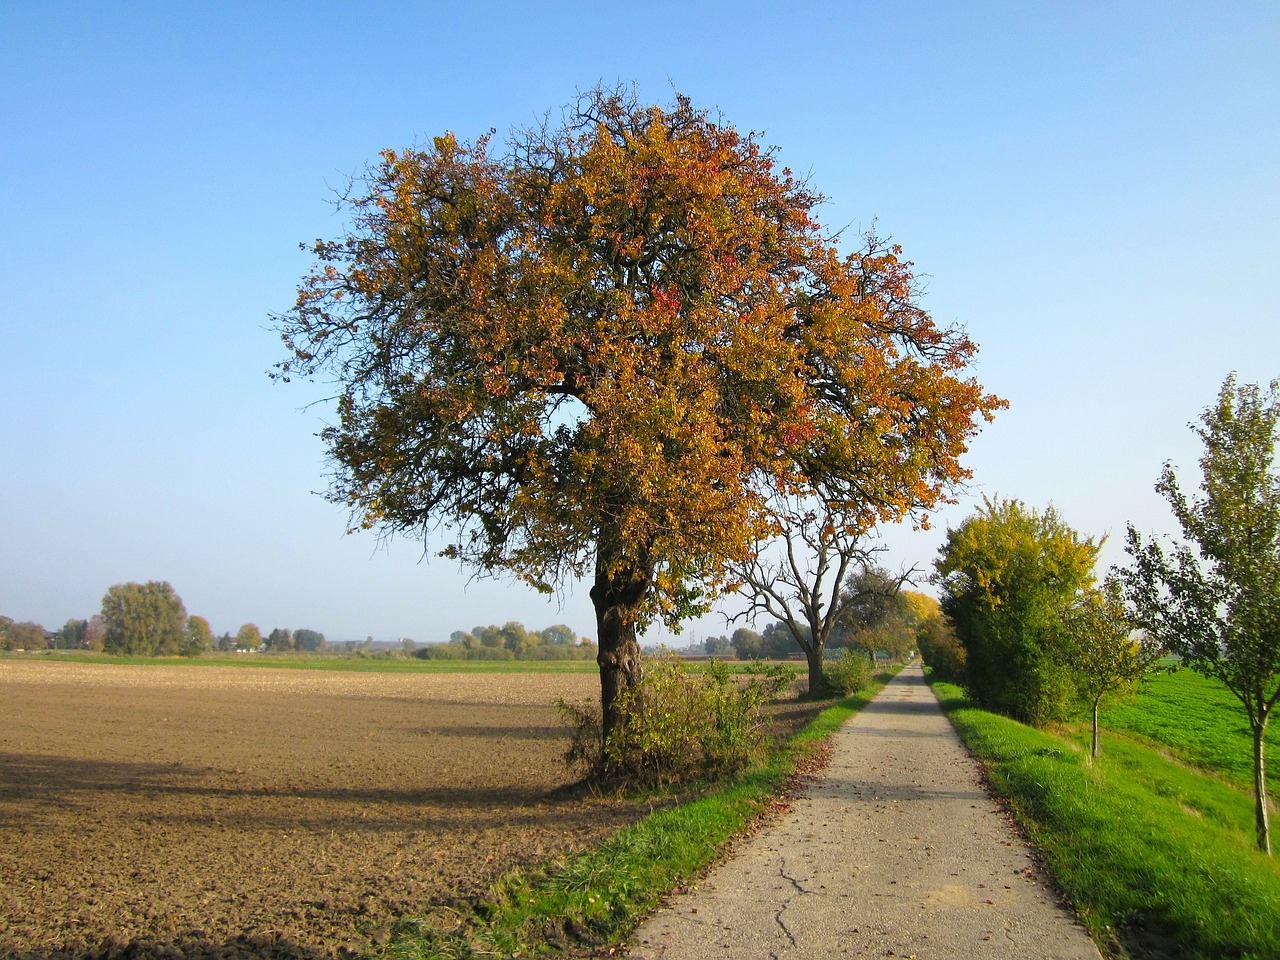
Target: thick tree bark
{"x":617,"y":594}
{"x":817,"y":685}
{"x":1261,"y":813}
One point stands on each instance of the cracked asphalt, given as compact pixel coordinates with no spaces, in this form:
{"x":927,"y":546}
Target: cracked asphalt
{"x":894,"y":851}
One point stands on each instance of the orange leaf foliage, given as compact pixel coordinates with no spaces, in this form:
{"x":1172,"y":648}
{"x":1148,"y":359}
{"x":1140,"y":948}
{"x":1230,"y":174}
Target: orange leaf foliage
{"x":611,"y":344}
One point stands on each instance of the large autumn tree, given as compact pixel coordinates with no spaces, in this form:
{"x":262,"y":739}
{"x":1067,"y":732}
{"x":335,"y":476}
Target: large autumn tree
{"x":596,"y":352}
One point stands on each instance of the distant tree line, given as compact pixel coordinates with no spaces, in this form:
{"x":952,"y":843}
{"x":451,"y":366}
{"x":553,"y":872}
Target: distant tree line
{"x":512,"y":641}
{"x":150,"y":620}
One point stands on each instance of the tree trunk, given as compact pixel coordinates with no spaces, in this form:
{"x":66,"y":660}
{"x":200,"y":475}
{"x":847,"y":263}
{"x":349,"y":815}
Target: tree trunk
{"x":1261,"y":813}
{"x":1097,"y":740}
{"x":617,"y":594}
{"x":817,"y":683}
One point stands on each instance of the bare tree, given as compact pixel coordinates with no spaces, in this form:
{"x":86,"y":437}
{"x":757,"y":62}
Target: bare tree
{"x":806,"y":588}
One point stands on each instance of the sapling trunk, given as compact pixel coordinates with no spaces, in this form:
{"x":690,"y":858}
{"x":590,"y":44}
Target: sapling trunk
{"x":1261,"y":813}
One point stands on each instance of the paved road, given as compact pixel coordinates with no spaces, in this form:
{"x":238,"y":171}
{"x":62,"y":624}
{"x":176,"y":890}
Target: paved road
{"x":895,"y":852}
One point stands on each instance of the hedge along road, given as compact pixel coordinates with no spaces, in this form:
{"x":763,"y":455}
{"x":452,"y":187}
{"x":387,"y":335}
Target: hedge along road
{"x":895,"y":851}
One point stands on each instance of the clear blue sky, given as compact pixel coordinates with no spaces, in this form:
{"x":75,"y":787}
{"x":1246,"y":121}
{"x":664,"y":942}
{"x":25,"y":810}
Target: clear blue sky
{"x":1091,"y":189}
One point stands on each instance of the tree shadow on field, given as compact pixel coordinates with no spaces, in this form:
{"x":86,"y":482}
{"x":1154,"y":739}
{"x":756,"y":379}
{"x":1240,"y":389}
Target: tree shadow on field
{"x":25,"y":776}
{"x":221,"y":800}
{"x":37,"y":776}
{"x":254,"y":947}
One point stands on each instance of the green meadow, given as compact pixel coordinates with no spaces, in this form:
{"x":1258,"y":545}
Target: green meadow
{"x":1156,"y":855}
{"x":1199,"y":722}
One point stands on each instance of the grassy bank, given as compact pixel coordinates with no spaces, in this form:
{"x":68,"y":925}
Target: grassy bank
{"x":1158,"y":859}
{"x":597,"y":898}
{"x":1199,"y":722}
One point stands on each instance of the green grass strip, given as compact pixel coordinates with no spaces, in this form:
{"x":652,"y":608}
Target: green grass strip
{"x":597,"y":898}
{"x":1158,"y":860}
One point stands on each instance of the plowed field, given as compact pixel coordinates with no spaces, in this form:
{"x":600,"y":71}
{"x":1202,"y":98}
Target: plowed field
{"x":227,"y":812}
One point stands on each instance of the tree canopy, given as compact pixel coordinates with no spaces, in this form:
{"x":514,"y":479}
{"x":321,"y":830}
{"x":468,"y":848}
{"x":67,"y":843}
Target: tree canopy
{"x":21,"y":636}
{"x":1008,"y":574}
{"x":598,"y":352}
{"x":143,"y":619}
{"x":1217,"y":605}
{"x":1106,"y":652}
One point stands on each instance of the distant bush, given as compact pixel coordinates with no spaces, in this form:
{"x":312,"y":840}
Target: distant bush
{"x":848,"y":673}
{"x":941,"y":650}
{"x":678,"y":726}
{"x":773,"y":678}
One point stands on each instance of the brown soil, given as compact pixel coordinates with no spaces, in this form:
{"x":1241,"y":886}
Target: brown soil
{"x":222,"y":812}
{"x":218,"y":812}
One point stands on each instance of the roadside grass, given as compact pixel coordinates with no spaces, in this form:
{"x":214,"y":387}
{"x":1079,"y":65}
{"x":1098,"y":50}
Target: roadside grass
{"x":1158,"y":860}
{"x":1199,"y":722}
{"x":597,"y":898}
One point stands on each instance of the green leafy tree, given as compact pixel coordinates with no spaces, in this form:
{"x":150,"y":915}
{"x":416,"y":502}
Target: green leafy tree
{"x":877,"y":615}
{"x":248,"y":637}
{"x":517,"y":639}
{"x":717,"y":646}
{"x":198,"y":637}
{"x":490,"y":636}
{"x":310,"y":640}
{"x":1107,"y":654}
{"x":747,"y":644}
{"x":21,"y":636}
{"x":143,"y":619}
{"x":1007,"y":575}
{"x":559,"y":635}
{"x":1217,"y":606}
{"x":594,"y":355}
{"x":464,"y":639}
{"x":71,"y":636}
{"x":279,"y":639}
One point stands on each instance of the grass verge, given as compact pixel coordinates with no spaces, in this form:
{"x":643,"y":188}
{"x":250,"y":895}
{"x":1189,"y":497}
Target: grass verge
{"x":1158,"y":860}
{"x":597,"y":898}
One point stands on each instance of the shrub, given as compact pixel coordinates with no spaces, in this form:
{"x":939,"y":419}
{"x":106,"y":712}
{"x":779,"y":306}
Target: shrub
{"x":942,"y":650}
{"x":774,"y":678}
{"x":678,"y":726}
{"x":1007,"y":574}
{"x":848,"y":673}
